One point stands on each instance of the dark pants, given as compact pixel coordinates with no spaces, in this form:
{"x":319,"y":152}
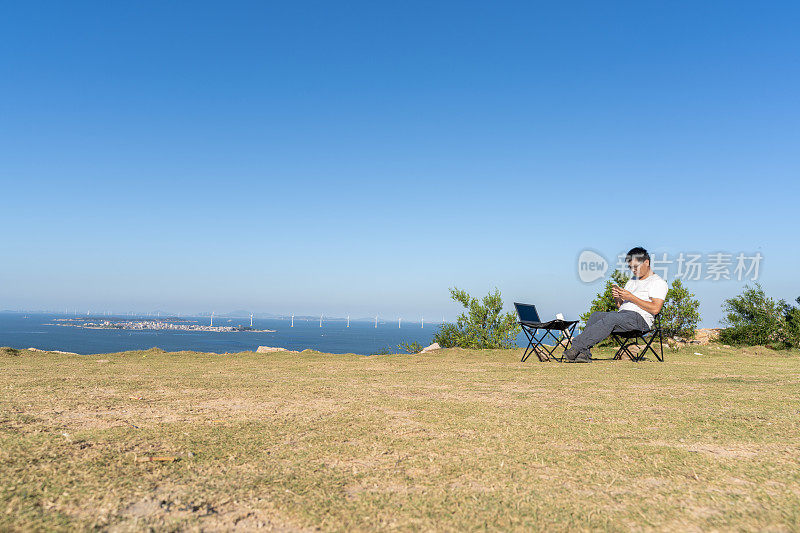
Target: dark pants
{"x":600,"y":324}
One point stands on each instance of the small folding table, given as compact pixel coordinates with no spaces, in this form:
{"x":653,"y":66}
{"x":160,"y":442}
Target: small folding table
{"x":531,"y":324}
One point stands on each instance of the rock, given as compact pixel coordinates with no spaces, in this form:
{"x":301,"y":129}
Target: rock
{"x":270,"y":349}
{"x":432,"y":347}
{"x":706,"y":335}
{"x":702,"y":337}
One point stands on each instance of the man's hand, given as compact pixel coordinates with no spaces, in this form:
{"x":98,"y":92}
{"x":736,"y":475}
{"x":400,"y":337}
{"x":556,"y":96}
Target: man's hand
{"x":621,"y":294}
{"x":651,"y":306}
{"x":615,"y":292}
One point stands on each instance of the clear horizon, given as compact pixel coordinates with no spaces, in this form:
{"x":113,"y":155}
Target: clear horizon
{"x":228,"y":314}
{"x":320,"y":158}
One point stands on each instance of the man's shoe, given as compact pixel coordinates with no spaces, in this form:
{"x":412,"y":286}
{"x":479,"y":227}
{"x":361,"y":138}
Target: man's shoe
{"x":582,"y":357}
{"x":570,"y":354}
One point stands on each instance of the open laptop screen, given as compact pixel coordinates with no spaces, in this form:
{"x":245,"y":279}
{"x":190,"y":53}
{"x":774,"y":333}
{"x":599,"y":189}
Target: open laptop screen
{"x":527,"y":312}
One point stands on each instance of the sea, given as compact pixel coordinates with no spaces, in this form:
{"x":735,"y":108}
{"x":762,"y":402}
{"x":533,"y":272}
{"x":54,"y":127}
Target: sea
{"x":42,"y":331}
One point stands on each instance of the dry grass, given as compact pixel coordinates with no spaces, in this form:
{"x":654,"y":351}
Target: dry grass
{"x":454,"y":440}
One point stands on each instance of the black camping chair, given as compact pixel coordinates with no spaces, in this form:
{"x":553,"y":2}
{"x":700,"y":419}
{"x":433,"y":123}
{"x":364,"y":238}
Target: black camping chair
{"x":626,"y":339}
{"x":531,"y":324}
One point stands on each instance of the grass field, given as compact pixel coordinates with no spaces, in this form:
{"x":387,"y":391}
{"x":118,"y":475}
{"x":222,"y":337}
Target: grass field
{"x":453,"y":440}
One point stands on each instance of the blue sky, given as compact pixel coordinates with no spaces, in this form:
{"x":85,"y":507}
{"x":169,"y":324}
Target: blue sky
{"x":362,"y":158}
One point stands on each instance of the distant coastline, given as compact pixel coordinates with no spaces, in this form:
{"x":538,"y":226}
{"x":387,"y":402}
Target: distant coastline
{"x":90,"y":335}
{"x":141,"y":325}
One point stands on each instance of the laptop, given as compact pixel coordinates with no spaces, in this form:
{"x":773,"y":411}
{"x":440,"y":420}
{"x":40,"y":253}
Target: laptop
{"x":527,"y":313}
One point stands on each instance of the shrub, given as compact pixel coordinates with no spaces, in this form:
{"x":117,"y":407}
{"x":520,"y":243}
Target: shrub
{"x":752,"y":318}
{"x":681,"y":312}
{"x":793,"y":324}
{"x":413,"y":347}
{"x":8,"y":351}
{"x":483,"y":325}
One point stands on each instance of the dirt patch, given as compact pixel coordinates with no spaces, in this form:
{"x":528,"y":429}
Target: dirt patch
{"x":354,"y":491}
{"x":143,"y":509}
{"x":471,"y":486}
{"x":713,"y":450}
{"x":719,"y":451}
{"x":169,"y":506}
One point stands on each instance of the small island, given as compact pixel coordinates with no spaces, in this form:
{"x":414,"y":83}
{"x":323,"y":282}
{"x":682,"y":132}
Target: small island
{"x":154,"y":325}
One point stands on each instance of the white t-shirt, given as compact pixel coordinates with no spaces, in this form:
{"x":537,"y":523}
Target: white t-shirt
{"x":653,"y":286}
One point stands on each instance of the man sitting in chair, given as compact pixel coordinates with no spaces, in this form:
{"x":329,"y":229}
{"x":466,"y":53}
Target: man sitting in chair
{"x":638,"y":303}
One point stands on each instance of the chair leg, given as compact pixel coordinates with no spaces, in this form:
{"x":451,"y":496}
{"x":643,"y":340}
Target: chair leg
{"x":534,"y":346}
{"x":650,"y":347}
{"x":624,"y":344}
{"x":641,"y":355}
{"x":551,"y":351}
{"x":620,"y":348}
{"x":541,"y":352}
{"x":526,"y":353}
{"x":659,"y":357}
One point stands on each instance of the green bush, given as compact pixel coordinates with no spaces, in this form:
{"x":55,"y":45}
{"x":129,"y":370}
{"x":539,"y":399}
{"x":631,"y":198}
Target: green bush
{"x":483,"y":325}
{"x":8,"y":351}
{"x":793,"y":324}
{"x":752,"y":318}
{"x":681,"y":312}
{"x":413,"y":347}
{"x":679,"y":315}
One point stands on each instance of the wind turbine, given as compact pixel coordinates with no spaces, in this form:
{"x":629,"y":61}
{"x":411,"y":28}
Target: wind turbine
{"x":376,"y":321}
{"x":292,"y":321}
{"x":212,"y":319}
{"x":422,"y":320}
{"x":398,"y":322}
{"x":251,"y":320}
{"x":348,"y":321}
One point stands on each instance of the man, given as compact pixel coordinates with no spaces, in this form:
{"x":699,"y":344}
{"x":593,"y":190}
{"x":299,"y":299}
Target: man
{"x":638,"y":303}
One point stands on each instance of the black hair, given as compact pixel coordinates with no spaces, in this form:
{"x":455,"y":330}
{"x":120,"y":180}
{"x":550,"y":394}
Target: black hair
{"x":639,"y":253}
